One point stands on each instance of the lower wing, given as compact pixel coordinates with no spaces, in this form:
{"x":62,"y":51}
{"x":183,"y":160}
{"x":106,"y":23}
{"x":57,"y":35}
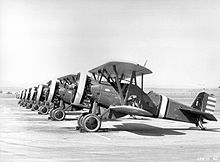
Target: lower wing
{"x":130,"y":110}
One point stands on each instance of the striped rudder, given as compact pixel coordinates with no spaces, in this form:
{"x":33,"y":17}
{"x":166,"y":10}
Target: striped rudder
{"x":210,"y":105}
{"x":205,"y":103}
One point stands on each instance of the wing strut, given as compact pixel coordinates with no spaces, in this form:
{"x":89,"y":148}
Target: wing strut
{"x":133,"y":76}
{"x":119,"y":85}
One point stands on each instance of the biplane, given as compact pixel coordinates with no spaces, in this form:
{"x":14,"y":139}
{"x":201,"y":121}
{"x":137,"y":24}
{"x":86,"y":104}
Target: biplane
{"x":132,"y":100}
{"x":70,"y":94}
{"x":20,"y":97}
{"x":23,"y":97}
{"x":48,"y":95}
{"x":32,"y":97}
{"x":73,"y":93}
{"x":40,"y":95}
{"x":26,"y":97}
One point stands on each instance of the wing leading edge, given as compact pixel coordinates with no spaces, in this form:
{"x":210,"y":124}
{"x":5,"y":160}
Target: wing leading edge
{"x":123,"y":68}
{"x":130,"y":110}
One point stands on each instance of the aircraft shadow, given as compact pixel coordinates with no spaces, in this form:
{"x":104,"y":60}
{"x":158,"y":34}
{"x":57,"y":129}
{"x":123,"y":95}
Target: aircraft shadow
{"x":143,"y":129}
{"x":148,"y":130}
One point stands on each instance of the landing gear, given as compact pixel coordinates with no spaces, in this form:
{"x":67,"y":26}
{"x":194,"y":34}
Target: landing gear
{"x":28,"y":106}
{"x":80,"y":120}
{"x":25,"y":104}
{"x":199,"y":123}
{"x":58,"y":114}
{"x":44,"y":110}
{"x":51,"y":114}
{"x":34,"y":107}
{"x":91,"y":123}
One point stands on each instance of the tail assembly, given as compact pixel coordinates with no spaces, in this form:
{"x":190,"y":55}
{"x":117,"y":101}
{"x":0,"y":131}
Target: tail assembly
{"x":205,"y":103}
{"x":203,"y":107}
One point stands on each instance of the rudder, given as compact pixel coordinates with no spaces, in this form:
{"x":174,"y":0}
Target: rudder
{"x":205,"y":103}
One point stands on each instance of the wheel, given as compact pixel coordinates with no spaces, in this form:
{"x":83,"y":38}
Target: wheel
{"x":58,"y":114}
{"x":25,"y":104}
{"x":28,"y":106}
{"x":21,"y":103}
{"x":200,"y":123}
{"x":35,"y":107}
{"x":43,"y":110}
{"x":51,"y":114}
{"x":91,"y":123}
{"x":79,"y":120}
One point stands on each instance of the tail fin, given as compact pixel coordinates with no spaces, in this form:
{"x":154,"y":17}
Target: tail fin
{"x":205,"y":103}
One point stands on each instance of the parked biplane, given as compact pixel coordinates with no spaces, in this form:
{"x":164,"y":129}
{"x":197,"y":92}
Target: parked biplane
{"x":70,"y":94}
{"x":26,"y":97}
{"x":23,"y":97}
{"x":39,"y":96}
{"x":132,"y":100}
{"x":32,"y":97}
{"x":73,"y":93}
{"x":20,"y":97}
{"x":48,"y":94}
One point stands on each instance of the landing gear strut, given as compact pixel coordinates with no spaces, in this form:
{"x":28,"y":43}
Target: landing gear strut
{"x":90,"y":122}
{"x":199,"y":123}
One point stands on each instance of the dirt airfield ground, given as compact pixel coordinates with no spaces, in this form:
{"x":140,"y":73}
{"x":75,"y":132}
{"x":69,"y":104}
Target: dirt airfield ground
{"x":27,"y":136}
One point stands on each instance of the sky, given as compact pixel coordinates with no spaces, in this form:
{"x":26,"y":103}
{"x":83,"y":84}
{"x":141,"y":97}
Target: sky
{"x":46,"y":39}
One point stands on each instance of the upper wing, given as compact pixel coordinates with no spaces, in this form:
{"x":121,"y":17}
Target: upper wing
{"x":123,"y":68}
{"x":68,"y":78}
{"x":130,"y":110}
{"x":195,"y":111}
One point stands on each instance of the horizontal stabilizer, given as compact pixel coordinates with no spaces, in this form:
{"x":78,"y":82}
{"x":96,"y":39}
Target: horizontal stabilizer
{"x":131,"y":110}
{"x":204,"y":114}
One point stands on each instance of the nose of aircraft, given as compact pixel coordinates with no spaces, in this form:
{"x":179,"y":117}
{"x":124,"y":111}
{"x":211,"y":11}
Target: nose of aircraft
{"x":95,"y":90}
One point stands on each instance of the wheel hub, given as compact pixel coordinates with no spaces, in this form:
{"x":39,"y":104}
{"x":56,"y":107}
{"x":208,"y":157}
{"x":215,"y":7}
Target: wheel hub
{"x":59,"y":114}
{"x":91,"y":123}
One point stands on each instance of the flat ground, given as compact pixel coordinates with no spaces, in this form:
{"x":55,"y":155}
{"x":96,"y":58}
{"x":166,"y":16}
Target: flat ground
{"x":27,"y":136}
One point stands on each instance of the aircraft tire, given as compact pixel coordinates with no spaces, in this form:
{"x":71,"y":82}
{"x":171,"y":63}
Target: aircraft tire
{"x":80,"y":120}
{"x":43,"y":110}
{"x":200,"y":123}
{"x":25,"y":104}
{"x":28,"y":106}
{"x":34,"y":107}
{"x":51,"y":114}
{"x":21,"y":103}
{"x":58,"y":114}
{"x":91,"y":123}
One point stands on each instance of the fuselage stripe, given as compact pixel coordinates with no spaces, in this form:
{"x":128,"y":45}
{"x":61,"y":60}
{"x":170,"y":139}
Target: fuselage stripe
{"x":80,"y":88}
{"x":163,"y":107}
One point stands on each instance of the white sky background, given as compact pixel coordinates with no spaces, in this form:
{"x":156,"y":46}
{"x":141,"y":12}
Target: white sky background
{"x":45,"y":39}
